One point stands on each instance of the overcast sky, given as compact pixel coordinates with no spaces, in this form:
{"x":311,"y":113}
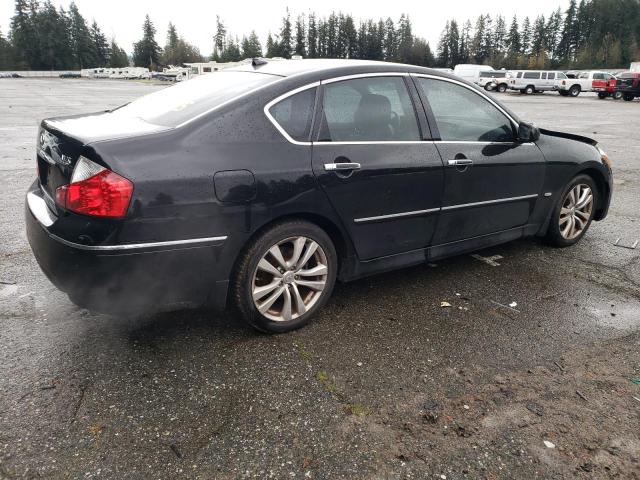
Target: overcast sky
{"x":195,"y":19}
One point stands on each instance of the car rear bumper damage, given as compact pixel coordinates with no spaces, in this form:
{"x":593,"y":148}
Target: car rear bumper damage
{"x":127,"y":278}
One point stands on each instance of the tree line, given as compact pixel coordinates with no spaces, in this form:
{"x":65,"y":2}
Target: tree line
{"x":592,"y":33}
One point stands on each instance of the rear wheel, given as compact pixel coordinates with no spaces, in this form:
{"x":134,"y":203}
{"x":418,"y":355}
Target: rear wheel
{"x":628,"y":97}
{"x":285,"y":276}
{"x":574,"y":91}
{"x":574,"y":213}
{"x":602,"y":95}
{"x":616,"y":95}
{"x":529,"y":90}
{"x":488,"y":87}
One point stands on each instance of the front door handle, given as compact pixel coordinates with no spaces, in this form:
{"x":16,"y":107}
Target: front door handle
{"x":460,"y":162}
{"x":342,"y":166}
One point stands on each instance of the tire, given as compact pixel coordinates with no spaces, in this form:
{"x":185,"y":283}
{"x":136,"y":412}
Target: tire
{"x":248,"y":277}
{"x":557,"y":234}
{"x":602,"y":95}
{"x":616,"y":95}
{"x":488,"y":87}
{"x":574,"y":91}
{"x":529,"y":90}
{"x":564,"y":93}
{"x":627,"y":97}
{"x":502,"y":88}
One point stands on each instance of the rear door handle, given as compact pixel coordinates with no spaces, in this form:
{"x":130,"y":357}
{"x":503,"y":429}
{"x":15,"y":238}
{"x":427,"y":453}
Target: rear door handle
{"x":460,"y":162}
{"x":341,"y":166}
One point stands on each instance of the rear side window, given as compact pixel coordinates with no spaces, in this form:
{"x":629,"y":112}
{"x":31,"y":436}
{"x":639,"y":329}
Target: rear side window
{"x":551,"y":76}
{"x":295,"y":113}
{"x":532,"y":75}
{"x":184,"y":101}
{"x":462,"y":115}
{"x":367,"y":110}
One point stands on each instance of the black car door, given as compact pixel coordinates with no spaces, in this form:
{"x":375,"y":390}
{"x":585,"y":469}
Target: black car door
{"x":492,"y":181}
{"x":382,"y":178}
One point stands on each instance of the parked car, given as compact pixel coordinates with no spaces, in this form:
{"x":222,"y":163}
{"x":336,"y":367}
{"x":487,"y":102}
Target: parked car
{"x":534,"y":81}
{"x":471,"y":72}
{"x":493,"y":80}
{"x":582,"y":83}
{"x":70,"y":75}
{"x":263,"y":184}
{"x":605,"y":86}
{"x":629,"y":85}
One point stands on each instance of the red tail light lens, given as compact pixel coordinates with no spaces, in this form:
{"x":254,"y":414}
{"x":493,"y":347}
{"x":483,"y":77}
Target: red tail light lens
{"x":105,"y":194}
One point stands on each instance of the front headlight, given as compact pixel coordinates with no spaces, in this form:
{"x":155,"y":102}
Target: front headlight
{"x":605,"y":158}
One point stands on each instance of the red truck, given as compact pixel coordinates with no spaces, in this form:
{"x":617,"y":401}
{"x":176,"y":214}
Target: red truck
{"x":604,"y":84}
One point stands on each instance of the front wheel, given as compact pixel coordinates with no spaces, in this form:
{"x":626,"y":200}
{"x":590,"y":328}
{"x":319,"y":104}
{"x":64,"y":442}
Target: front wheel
{"x":285,"y":276}
{"x":602,"y":95}
{"x":574,"y":213}
{"x":574,"y":91}
{"x":564,"y":93}
{"x":616,"y":95}
{"x":502,"y":88}
{"x":488,"y":87}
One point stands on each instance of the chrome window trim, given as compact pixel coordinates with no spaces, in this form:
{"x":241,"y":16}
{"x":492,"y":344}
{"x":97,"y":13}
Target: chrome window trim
{"x":364,"y":75}
{"x":483,"y":143}
{"x":414,"y":213}
{"x":469,"y":87}
{"x":489,"y":202}
{"x":284,"y":96}
{"x":137,"y":246}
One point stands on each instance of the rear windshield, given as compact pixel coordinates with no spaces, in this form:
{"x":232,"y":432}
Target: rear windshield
{"x":174,"y":105}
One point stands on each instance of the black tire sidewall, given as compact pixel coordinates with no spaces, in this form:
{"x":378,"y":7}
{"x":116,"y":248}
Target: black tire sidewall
{"x":243,"y":283}
{"x":554,"y":237}
{"x":502,"y":88}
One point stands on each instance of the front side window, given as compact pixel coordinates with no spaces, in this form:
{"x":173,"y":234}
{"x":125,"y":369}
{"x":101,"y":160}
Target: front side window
{"x":561,"y":76}
{"x":368,"y":109}
{"x":532,"y":75}
{"x":584,"y":75}
{"x":519,"y":74}
{"x":463,"y":115}
{"x":294,"y":114}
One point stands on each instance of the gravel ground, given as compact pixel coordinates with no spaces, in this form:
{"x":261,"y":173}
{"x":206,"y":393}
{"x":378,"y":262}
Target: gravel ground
{"x":383,"y":384}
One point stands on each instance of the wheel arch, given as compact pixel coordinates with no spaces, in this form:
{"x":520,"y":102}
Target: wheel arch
{"x":603,"y":189}
{"x":341,"y":240}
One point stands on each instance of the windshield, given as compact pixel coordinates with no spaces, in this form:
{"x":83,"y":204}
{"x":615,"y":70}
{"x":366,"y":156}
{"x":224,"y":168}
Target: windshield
{"x":174,"y":105}
{"x":626,"y":75}
{"x":561,"y":76}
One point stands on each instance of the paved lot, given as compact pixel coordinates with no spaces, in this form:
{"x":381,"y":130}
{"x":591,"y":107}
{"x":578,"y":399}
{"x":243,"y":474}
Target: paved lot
{"x":384,"y":384}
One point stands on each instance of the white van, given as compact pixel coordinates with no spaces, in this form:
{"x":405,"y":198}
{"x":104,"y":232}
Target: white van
{"x":471,"y":72}
{"x":535,"y":81}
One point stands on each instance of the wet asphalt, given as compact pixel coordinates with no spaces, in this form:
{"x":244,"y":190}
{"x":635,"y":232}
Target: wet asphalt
{"x":192,"y":394}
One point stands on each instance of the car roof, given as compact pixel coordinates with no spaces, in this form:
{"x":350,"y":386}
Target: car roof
{"x":287,"y":68}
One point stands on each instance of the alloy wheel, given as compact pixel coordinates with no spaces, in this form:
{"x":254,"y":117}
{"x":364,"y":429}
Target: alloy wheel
{"x":576,"y":210}
{"x":290,"y":279}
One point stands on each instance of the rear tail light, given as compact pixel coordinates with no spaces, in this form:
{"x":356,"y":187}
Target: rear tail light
{"x":95,"y":191}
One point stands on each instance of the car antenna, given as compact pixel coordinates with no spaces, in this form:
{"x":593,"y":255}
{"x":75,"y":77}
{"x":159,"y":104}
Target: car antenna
{"x":257,"y":61}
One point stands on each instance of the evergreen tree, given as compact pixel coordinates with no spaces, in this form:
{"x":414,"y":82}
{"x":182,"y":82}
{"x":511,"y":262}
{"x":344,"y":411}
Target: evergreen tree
{"x":478,"y":52}
{"x":513,"y":40}
{"x":117,"y":56}
{"x":231,"y":52}
{"x":465,"y":43}
{"x":499,"y":42}
{"x":251,"y":47}
{"x":538,"y":40}
{"x":312,"y":37}
{"x":405,"y":38}
{"x":390,"y":41}
{"x":285,"y":36}
{"x":525,"y":37}
{"x":177,"y":50}
{"x":7,"y":60}
{"x":100,"y":45}
{"x":273,"y":47}
{"x":552,"y":32}
{"x":300,"y":47}
{"x":146,"y":52}
{"x":443,"y":51}
{"x":219,"y":39}
{"x":81,"y":43}
{"x":24,"y":35}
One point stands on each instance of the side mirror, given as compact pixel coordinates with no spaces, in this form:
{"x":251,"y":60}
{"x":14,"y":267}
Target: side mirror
{"x":528,"y":132}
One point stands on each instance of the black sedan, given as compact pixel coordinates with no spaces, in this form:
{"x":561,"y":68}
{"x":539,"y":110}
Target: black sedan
{"x":259,"y":186}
